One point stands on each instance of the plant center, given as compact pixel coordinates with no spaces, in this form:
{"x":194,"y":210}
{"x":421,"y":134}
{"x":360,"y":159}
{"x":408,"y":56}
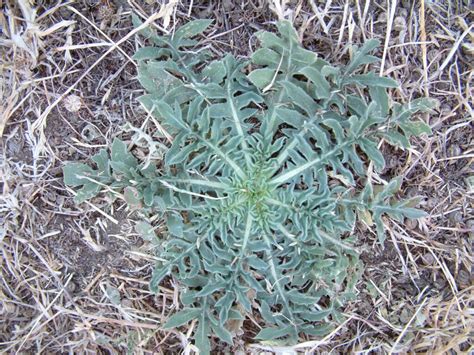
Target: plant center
{"x":254,"y":191}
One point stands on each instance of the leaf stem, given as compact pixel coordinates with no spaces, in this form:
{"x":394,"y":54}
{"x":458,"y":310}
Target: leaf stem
{"x":206,"y":183}
{"x":282,"y":178}
{"x":280,"y":289}
{"x":237,"y":124}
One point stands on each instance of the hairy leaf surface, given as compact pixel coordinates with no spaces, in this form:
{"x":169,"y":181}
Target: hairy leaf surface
{"x":259,"y":186}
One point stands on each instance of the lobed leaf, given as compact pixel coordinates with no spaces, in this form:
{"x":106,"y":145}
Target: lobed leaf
{"x":259,"y":187}
{"x":182,"y":317}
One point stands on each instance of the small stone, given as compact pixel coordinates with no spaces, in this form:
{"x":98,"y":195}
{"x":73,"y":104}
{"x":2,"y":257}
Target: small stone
{"x":470,"y":227}
{"x":50,"y":196}
{"x":89,"y":133}
{"x":455,"y":217}
{"x":440,"y":283}
{"x":470,"y":183}
{"x":403,"y":13}
{"x":105,"y":12}
{"x":431,"y":203}
{"x":468,"y":49}
{"x":7,"y":308}
{"x":411,"y":224}
{"x":431,"y":55}
{"x":71,"y":287}
{"x":126,"y":303}
{"x":411,"y":191}
{"x":72,"y":103}
{"x":405,"y":316}
{"x":228,"y":5}
{"x":399,"y":24}
{"x":428,"y":259}
{"x":445,"y":110}
{"x":464,"y":279}
{"x":382,"y":17}
{"x":454,"y":150}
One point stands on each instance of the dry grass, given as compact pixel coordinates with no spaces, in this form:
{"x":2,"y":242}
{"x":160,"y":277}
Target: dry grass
{"x":74,"y":278}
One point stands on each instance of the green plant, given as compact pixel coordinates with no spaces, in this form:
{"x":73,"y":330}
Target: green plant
{"x":263,"y":181}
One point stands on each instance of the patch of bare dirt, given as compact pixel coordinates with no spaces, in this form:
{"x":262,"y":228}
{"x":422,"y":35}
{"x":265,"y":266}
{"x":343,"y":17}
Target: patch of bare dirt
{"x":86,"y":250}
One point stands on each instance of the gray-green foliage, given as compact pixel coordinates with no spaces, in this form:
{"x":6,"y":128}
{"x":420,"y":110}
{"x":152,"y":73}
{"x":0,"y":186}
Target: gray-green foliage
{"x":262,"y":183}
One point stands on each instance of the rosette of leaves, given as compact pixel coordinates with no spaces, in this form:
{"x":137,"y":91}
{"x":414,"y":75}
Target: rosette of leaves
{"x":264,"y":180}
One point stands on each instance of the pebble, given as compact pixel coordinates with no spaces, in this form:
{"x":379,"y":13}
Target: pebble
{"x":407,"y":4}
{"x":7,"y":308}
{"x":411,"y":223}
{"x":382,"y":17}
{"x":432,"y":203}
{"x":470,"y":227}
{"x":71,"y":287}
{"x":428,"y":259}
{"x":455,"y":217}
{"x":464,"y":279}
{"x":445,"y":110}
{"x":399,"y":24}
{"x":126,"y":303}
{"x":403,"y":13}
{"x":432,"y":54}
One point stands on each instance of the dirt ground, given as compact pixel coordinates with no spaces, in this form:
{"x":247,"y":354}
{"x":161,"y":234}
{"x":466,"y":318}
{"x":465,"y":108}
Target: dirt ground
{"x":74,"y":278}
